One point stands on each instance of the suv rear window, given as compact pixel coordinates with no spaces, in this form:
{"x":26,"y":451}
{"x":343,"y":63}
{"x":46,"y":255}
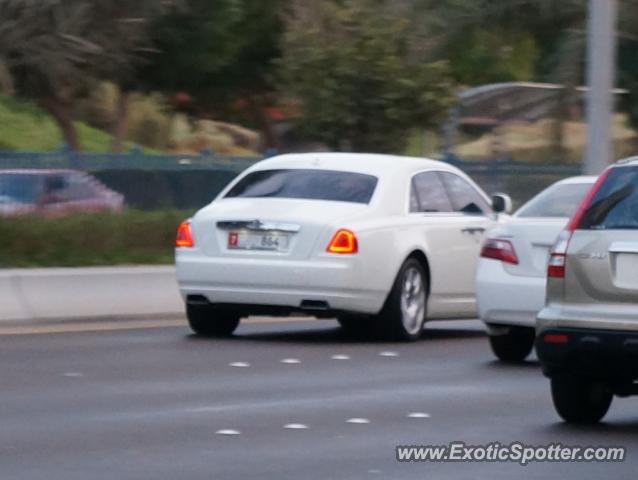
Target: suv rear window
{"x":307,"y":184}
{"x":557,"y":201}
{"x":615,"y":204}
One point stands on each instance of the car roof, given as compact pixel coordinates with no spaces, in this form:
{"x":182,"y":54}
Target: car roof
{"x":625,"y":162}
{"x":368,"y":163}
{"x":578,"y":179}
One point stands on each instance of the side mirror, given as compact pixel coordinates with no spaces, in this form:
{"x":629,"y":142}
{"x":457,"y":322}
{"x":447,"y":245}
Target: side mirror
{"x":501,"y":203}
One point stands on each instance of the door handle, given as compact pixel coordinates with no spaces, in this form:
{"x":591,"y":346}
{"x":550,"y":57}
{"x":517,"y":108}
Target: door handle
{"x":473,"y":230}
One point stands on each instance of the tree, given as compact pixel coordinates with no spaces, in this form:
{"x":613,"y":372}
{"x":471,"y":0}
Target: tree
{"x":191,"y":40}
{"x":358,"y":72}
{"x":245,"y":88}
{"x":54,"y":50}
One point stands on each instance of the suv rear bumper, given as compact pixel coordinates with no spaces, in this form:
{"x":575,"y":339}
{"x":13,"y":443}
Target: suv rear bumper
{"x":609,"y":355}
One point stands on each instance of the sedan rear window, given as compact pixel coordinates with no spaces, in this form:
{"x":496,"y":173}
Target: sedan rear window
{"x":615,"y":204}
{"x":307,"y":184}
{"x":557,"y":201}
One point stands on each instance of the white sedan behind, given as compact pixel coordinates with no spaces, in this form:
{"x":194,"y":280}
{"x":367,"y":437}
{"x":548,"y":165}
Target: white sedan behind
{"x":510,"y":278}
{"x":380,"y":242}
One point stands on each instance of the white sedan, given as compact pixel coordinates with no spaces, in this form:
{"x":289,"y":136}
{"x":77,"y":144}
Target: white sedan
{"x":380,"y":242}
{"x":510,"y":278}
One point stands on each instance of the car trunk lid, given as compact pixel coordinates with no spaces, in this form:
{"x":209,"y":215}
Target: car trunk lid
{"x":269,"y":227}
{"x":532,"y":240}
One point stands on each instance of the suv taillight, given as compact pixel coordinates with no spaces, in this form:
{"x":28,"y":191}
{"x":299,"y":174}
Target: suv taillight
{"x":498,"y":249}
{"x":558,"y":253}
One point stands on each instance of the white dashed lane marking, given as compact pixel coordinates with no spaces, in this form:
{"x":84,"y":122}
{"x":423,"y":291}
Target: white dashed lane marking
{"x":228,"y":432}
{"x":73,"y":374}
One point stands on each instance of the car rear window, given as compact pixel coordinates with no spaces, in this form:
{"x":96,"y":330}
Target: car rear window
{"x":307,"y":184}
{"x":615,"y":204}
{"x":557,"y":201}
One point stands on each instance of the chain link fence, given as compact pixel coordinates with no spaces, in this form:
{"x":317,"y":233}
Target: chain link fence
{"x":71,"y":181}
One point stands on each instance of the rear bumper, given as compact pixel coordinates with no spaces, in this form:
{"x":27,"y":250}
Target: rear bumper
{"x":600,"y":354}
{"x":334,"y":282}
{"x":506,"y":299}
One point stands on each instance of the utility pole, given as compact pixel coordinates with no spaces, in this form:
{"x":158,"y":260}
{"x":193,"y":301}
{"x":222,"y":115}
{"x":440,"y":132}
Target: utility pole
{"x":601,"y":67}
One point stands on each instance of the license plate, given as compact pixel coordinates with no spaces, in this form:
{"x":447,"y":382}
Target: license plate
{"x":269,"y":241}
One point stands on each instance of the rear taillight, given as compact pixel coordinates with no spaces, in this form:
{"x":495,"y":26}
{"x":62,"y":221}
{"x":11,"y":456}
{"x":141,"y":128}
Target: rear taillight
{"x":498,"y":249}
{"x":344,"y":241}
{"x":184,"y":235}
{"x":558,"y":253}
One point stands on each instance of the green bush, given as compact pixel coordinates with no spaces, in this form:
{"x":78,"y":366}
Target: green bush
{"x":132,"y":237}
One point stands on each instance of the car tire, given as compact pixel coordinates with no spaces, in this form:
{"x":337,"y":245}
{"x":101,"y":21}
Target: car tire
{"x":513,"y":346}
{"x":208,"y":321}
{"x":579,"y":400}
{"x":403,"y":314}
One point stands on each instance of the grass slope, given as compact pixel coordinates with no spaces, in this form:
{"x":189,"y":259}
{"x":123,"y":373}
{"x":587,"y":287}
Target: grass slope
{"x":23,"y":126}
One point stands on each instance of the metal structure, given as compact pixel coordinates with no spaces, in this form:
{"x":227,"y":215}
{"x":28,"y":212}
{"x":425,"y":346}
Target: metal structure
{"x":601,"y":53}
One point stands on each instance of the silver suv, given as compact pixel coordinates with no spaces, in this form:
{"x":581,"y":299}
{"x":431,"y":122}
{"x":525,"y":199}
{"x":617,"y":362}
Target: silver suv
{"x":587,"y":335}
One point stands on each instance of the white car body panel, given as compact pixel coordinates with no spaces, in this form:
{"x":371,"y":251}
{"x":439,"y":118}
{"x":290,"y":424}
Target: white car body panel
{"x":387,"y":234}
{"x":509,"y":294}
{"x":513,"y":294}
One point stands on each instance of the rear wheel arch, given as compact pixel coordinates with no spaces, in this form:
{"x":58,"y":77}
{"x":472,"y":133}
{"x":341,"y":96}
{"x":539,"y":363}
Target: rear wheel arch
{"x":423,"y":260}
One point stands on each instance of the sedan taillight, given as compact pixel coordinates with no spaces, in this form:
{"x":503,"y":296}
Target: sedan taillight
{"x":344,"y":241}
{"x":184,"y":235}
{"x":499,"y":249}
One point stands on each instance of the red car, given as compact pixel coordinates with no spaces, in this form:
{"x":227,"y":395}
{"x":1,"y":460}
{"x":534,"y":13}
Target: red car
{"x":54,"y":192}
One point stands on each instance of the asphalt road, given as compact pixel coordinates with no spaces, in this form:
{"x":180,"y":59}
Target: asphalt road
{"x":152,"y":403}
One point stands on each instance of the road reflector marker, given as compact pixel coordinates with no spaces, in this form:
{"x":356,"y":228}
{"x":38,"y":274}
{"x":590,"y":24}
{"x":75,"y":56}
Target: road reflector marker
{"x":239,"y":364}
{"x":388,"y":354}
{"x":340,"y":357}
{"x":418,"y":415}
{"x":358,"y":421}
{"x":296,"y":426}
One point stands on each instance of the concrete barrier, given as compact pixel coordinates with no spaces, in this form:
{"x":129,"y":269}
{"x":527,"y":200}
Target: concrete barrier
{"x":96,"y":292}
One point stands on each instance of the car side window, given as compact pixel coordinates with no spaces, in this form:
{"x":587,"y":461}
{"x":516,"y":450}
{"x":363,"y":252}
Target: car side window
{"x":428,"y":194}
{"x":465,"y":198}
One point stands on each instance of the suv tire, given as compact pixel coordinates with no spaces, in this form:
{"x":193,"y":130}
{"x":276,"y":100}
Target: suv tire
{"x":580,"y":400}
